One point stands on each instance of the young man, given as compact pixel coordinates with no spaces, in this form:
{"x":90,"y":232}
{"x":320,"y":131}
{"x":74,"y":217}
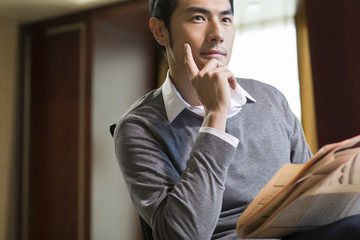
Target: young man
{"x":195,"y":152}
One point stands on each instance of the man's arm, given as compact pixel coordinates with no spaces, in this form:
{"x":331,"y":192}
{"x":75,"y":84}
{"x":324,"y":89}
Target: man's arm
{"x":185,"y":206}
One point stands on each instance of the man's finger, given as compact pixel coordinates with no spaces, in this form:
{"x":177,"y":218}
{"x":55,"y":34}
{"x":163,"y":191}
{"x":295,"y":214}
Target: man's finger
{"x":212,"y":65}
{"x":224,"y":70}
{"x":232,"y":82}
{"x":189,"y":62}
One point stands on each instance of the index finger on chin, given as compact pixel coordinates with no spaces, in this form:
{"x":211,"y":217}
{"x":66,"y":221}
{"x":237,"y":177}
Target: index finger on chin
{"x":190,"y":64}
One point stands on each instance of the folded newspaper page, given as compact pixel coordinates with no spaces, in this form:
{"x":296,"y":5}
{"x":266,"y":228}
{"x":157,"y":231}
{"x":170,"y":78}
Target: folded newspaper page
{"x":304,"y":196}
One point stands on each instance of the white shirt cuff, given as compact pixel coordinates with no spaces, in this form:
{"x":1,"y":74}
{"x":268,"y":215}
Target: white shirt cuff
{"x":223,"y":135}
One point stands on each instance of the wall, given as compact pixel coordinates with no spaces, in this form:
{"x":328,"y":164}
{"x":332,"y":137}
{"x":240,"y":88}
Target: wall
{"x":334,"y":37}
{"x":117,"y":82}
{"x":8,"y":58}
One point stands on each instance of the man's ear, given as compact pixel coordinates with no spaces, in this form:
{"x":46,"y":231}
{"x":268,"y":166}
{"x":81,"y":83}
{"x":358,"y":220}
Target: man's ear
{"x":159,"y":31}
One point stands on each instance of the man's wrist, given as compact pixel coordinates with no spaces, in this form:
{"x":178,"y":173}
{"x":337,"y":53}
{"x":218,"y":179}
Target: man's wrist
{"x":223,"y":135}
{"x":215,"y":119}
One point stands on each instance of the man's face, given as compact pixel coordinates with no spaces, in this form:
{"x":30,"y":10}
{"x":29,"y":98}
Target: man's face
{"x":207,"y":25}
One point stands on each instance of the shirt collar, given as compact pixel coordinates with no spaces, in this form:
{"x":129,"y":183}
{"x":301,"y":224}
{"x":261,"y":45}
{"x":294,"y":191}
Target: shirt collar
{"x":175,"y":104}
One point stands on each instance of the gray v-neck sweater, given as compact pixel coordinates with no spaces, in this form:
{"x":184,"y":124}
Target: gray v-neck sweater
{"x":191,"y":185}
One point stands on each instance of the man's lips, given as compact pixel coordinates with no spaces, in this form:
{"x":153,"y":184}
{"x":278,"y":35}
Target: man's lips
{"x":213,"y":54}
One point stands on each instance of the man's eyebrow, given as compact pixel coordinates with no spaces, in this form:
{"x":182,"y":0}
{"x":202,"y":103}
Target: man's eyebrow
{"x":206,"y":11}
{"x":226,"y":12}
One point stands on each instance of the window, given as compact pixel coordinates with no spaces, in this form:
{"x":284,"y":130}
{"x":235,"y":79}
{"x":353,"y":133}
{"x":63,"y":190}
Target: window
{"x":267,"y":51}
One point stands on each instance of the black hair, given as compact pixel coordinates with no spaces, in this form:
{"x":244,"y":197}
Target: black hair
{"x":164,"y":9}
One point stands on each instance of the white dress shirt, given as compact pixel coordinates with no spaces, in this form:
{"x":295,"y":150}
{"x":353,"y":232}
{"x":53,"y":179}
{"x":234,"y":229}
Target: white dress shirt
{"x":175,"y":104}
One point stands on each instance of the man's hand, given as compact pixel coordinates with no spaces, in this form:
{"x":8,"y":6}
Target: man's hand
{"x":212,"y":84}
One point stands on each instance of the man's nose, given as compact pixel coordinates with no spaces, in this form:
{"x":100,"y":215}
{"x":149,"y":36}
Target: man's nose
{"x":215,"y":34}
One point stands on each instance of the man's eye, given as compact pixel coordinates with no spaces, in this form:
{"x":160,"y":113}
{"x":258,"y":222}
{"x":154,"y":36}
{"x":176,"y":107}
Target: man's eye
{"x":199,"y":18}
{"x":227,"y":20}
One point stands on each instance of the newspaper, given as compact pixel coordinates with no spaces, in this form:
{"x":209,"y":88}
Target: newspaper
{"x":305,"y":196}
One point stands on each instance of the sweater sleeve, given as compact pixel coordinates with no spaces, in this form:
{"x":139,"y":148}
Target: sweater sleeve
{"x":185,"y":206}
{"x":300,"y":151}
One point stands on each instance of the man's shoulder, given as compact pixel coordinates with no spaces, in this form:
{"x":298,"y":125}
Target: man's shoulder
{"x":254,"y":84}
{"x":258,"y":89}
{"x":149,"y":104}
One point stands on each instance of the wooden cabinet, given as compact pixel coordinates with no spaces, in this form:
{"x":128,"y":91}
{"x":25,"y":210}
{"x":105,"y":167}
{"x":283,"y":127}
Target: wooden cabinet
{"x":57,"y":191}
{"x":57,"y":116}
{"x":334,"y":37}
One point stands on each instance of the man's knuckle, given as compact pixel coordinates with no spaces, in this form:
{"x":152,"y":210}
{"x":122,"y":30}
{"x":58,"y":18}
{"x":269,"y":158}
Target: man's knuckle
{"x":218,"y":75}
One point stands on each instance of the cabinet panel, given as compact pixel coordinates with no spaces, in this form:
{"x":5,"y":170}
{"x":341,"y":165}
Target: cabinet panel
{"x":56,"y":163}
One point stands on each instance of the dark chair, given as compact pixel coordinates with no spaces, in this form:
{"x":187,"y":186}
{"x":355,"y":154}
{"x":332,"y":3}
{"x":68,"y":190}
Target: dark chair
{"x":145,"y":228}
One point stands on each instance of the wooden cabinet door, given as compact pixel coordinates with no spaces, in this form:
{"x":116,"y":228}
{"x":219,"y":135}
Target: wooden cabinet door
{"x":56,"y":195}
